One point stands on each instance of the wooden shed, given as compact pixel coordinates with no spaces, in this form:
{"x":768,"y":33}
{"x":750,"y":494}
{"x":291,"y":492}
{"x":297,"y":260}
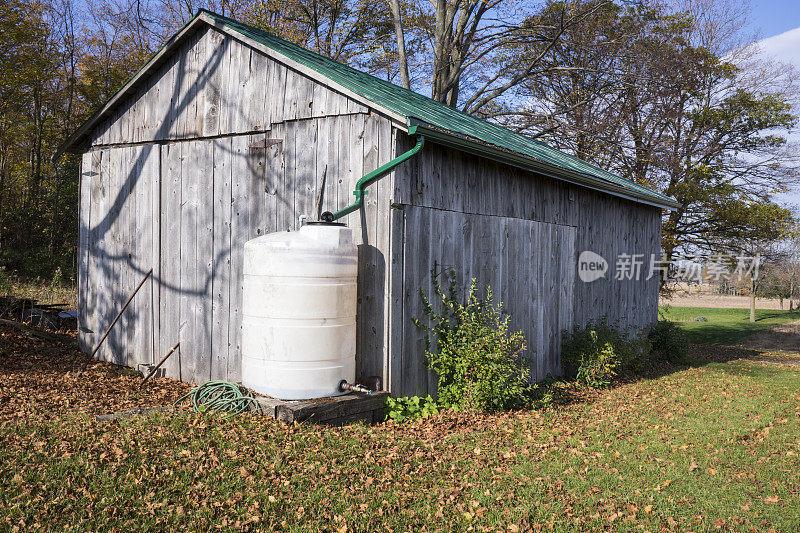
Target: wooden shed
{"x":229,"y":132}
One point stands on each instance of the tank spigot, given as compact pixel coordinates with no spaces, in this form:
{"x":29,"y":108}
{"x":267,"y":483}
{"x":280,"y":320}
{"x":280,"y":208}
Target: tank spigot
{"x":344,"y":386}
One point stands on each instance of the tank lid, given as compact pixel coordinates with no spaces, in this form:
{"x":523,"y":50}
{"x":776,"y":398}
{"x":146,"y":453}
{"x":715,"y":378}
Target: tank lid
{"x":323,"y":223}
{"x":325,"y":219}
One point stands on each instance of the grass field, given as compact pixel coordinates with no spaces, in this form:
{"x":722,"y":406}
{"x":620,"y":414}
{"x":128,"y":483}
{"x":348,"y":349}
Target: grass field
{"x":725,"y":326}
{"x":692,"y":448}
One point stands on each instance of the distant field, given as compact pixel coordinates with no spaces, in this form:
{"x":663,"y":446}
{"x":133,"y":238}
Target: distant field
{"x":681,"y":299}
{"x":725,"y":326}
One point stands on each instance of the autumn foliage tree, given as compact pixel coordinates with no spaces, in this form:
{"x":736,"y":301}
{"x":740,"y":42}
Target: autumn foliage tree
{"x":668,"y":95}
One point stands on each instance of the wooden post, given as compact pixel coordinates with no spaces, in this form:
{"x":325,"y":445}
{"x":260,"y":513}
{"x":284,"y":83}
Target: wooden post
{"x":113,"y":322}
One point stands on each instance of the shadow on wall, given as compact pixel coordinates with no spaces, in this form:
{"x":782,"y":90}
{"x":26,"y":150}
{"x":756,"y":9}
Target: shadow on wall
{"x":371,"y":327}
{"x":120,"y":251}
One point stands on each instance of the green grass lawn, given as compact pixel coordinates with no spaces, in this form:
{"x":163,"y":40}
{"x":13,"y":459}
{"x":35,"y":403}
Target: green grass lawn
{"x":725,"y":326}
{"x":713,"y":445}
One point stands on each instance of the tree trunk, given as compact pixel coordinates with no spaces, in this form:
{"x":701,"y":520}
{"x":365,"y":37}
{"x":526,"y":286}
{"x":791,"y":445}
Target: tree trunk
{"x":753,"y":301}
{"x":402,"y":58}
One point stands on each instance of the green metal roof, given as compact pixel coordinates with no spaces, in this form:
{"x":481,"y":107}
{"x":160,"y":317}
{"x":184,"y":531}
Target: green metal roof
{"x":424,"y":111}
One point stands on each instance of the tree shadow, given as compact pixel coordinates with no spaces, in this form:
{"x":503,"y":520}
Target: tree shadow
{"x":111,"y":242}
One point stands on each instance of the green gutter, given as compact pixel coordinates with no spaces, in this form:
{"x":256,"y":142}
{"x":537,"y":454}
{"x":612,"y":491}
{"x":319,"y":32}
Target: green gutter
{"x":374,"y":175}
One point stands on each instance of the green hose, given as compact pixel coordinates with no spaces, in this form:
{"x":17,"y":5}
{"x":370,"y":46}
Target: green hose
{"x":220,"y":396}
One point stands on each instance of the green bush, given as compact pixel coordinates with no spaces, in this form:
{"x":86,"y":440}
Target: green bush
{"x":476,"y":358}
{"x":668,"y":341}
{"x":596,"y":352}
{"x":598,"y":366}
{"x":410,"y":407}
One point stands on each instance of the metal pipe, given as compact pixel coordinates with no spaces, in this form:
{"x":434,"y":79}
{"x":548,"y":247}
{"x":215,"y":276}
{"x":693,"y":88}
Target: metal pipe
{"x":130,"y":299}
{"x":372,"y":176}
{"x":344,"y":386}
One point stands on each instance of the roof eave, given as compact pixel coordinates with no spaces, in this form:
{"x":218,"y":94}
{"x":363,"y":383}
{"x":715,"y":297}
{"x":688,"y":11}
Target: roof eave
{"x":500,"y":155}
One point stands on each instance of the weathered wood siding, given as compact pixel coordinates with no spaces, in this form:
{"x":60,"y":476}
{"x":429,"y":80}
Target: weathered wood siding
{"x":229,"y":144}
{"x":118,"y":243}
{"x":528,"y":265}
{"x":216,"y":85}
{"x":521,"y":233}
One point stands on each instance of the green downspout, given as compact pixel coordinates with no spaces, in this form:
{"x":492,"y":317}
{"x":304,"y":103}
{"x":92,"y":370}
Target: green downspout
{"x":372,"y":176}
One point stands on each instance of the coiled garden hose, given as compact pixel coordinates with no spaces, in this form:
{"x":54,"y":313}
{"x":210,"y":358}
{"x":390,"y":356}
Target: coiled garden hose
{"x":220,"y":396}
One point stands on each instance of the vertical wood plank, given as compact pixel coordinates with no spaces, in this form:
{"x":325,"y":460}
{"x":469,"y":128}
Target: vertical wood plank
{"x":98,"y":246}
{"x":286,"y":207}
{"x":397,"y":317}
{"x":205,"y":259}
{"x":277,"y":92}
{"x":171,"y":237}
{"x":305,"y":165}
{"x":240,"y":231}
{"x":87,"y":176}
{"x":370,"y":295}
{"x":145,"y":225}
{"x":221,"y":278}
{"x":257,"y":186}
{"x":214,"y":74}
{"x":273,"y":177}
{"x":189,"y":291}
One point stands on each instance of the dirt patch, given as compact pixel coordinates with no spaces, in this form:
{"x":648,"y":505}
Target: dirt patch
{"x":785,"y":338}
{"x":721,"y":301}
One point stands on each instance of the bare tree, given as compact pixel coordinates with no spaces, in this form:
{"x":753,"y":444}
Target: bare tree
{"x":468,"y":40}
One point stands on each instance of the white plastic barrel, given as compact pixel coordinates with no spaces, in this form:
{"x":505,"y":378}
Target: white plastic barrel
{"x":299,"y":312}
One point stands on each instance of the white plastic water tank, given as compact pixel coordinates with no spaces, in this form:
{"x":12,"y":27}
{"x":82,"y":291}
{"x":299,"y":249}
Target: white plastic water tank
{"x":299,"y":312}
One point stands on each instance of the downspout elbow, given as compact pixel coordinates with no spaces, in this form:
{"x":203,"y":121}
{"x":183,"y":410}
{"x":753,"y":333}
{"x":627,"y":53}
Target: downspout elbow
{"x":376,"y":174}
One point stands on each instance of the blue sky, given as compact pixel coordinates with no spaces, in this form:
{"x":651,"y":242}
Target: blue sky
{"x":771,"y":17}
{"x":779,"y":23}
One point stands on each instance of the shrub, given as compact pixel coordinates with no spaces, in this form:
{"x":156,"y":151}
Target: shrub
{"x":597,"y":366}
{"x":668,"y":341}
{"x":410,"y":407}
{"x":476,"y":358}
{"x":596,"y":352}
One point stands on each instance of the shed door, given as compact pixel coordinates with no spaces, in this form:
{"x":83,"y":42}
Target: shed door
{"x":529,"y":265}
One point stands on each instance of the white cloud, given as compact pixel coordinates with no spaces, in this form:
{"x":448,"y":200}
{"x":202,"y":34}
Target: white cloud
{"x":784,"y":47}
